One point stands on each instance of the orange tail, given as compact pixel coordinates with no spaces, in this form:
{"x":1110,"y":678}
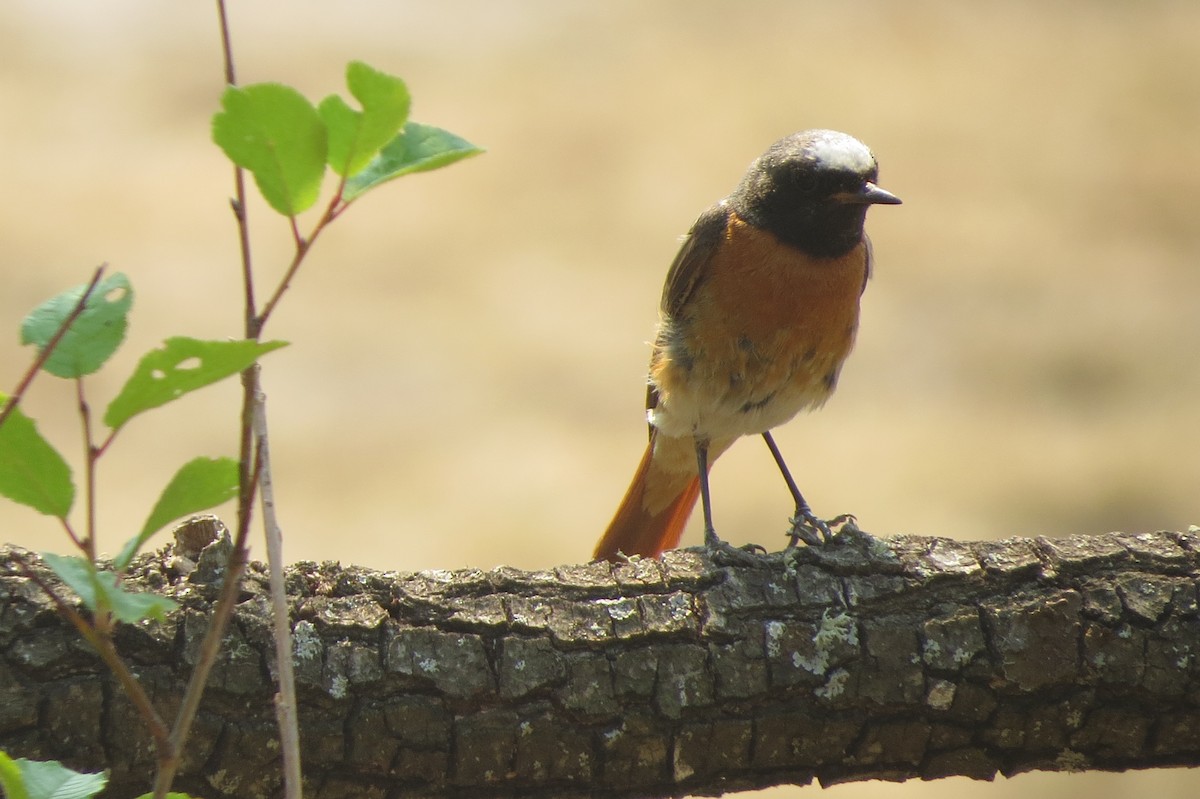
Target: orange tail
{"x":657,"y":505}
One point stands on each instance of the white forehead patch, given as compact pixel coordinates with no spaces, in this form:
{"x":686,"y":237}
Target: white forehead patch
{"x":841,"y":152}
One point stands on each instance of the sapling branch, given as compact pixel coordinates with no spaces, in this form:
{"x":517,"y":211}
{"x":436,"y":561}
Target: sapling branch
{"x":285,"y":701}
{"x":259,"y":137}
{"x":210,"y":647}
{"x":303,"y":245}
{"x":108,"y":440}
{"x":248,"y":469}
{"x":90,"y":454}
{"x":70,"y":531}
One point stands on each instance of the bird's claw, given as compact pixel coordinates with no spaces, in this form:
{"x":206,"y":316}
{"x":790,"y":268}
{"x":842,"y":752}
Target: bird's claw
{"x":814,"y":531}
{"x":726,"y":554}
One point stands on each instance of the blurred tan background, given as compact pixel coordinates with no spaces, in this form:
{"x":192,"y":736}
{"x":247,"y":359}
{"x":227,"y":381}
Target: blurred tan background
{"x":465,"y":381}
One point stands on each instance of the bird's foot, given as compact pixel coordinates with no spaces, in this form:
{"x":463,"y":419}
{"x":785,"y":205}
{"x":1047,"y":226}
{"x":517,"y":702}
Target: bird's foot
{"x":724,"y":553}
{"x":815,"y":532}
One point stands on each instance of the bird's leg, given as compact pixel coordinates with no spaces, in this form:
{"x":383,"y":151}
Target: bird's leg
{"x":806,"y":526}
{"x":710,"y":534}
{"x":721,"y":550}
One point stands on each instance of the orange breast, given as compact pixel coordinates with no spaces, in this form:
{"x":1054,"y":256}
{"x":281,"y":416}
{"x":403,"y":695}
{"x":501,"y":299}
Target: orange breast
{"x":765,"y":334}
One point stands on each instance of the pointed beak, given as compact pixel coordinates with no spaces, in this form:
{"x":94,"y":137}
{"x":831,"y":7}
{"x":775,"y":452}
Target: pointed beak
{"x":869,"y":195}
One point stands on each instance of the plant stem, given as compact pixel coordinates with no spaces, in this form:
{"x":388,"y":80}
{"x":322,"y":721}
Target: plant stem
{"x":302,"y":248}
{"x":239,"y":183}
{"x":206,"y":656}
{"x":226,"y":44}
{"x":252,"y":468}
{"x":247,"y":471}
{"x":285,"y":700}
{"x":90,"y":453}
{"x":70,"y":531}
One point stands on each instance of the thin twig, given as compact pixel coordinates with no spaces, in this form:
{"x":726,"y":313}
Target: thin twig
{"x":285,"y":700}
{"x":48,"y":350}
{"x":206,"y":655}
{"x":70,"y":531}
{"x":240,"y":212}
{"x":90,"y":454}
{"x":108,"y":440}
{"x":303,"y":246}
{"x":250,"y":472}
{"x":296,"y":237}
{"x":251,"y":321}
{"x":247,"y":473}
{"x":246,"y":451}
{"x":243,"y":226}
{"x":226,"y":44}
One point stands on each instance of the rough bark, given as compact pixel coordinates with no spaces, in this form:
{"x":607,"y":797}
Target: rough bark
{"x":895,"y":657}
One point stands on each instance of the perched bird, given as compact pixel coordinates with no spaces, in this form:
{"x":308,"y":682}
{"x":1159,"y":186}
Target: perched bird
{"x":759,"y":311}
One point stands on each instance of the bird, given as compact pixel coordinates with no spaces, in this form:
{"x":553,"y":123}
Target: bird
{"x":759,"y":311}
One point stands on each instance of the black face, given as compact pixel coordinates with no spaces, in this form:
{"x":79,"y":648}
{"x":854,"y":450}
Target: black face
{"x":803,"y":181}
{"x":812,"y":190}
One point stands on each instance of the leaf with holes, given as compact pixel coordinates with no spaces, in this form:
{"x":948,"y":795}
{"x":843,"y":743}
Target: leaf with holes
{"x":94,"y":335}
{"x":178,"y":367}
{"x":199,"y":484}
{"x":32,"y":471}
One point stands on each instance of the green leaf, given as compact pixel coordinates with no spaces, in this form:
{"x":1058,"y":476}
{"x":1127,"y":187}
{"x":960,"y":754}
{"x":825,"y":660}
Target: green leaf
{"x":170,"y":795}
{"x":94,"y":335}
{"x":12,"y":781}
{"x":180,"y":366}
{"x":131,"y":607}
{"x":199,"y":484}
{"x":101,"y":591}
{"x":273,"y":131}
{"x":31,"y":470}
{"x":78,"y":573}
{"x":33,"y":779}
{"x":418,"y":148}
{"x":355,"y":137}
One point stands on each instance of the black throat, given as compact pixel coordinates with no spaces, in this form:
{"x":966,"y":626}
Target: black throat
{"x":824,"y":229}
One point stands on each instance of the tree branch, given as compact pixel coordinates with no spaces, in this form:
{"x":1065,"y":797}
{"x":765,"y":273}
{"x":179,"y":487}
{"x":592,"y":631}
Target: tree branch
{"x":896,"y":658}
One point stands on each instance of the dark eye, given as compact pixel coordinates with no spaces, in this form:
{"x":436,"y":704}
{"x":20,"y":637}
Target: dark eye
{"x":806,"y":182}
{"x":847,"y":183}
